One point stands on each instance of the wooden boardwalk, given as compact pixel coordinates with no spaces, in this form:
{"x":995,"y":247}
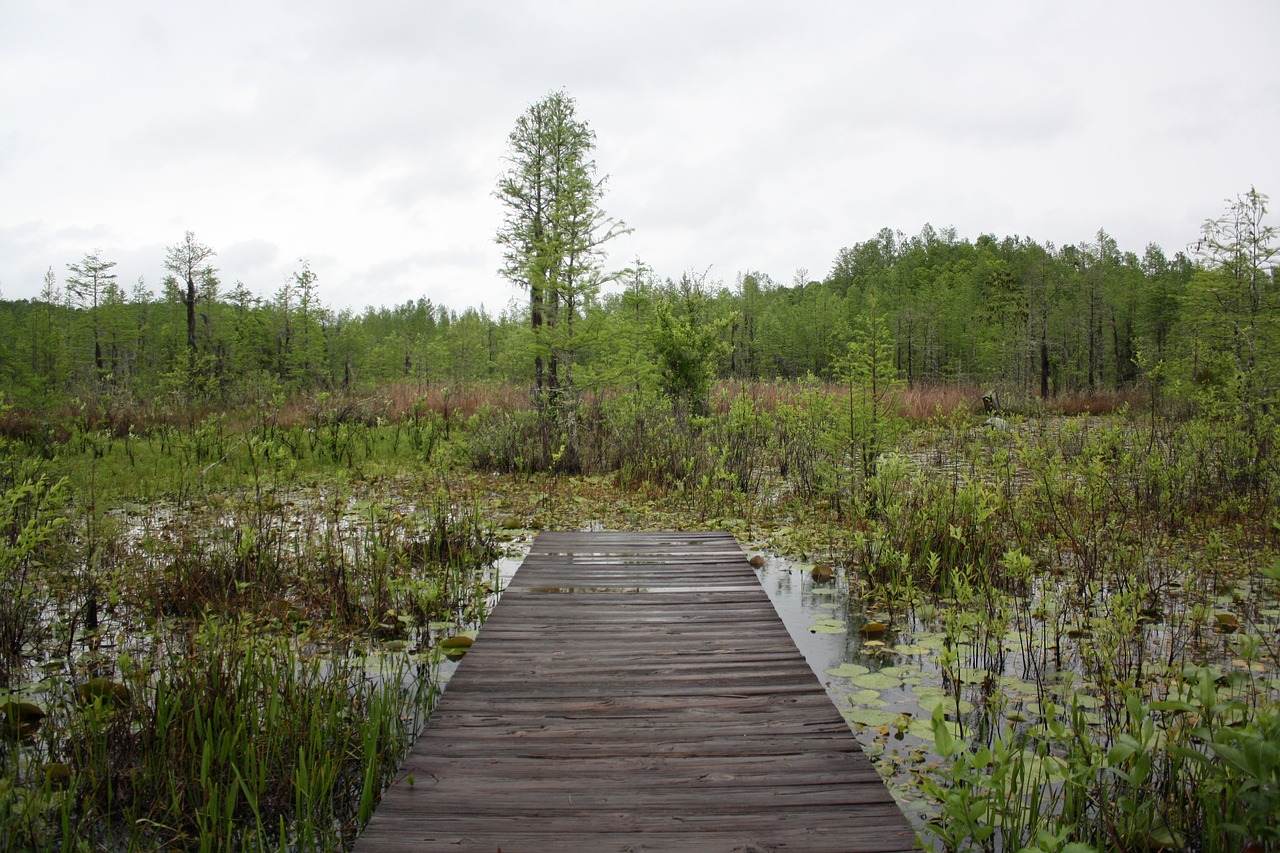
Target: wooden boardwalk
{"x":636,"y":692}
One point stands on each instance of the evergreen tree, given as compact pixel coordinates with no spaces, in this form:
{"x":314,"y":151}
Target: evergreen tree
{"x":553,"y":233}
{"x":86,"y":288}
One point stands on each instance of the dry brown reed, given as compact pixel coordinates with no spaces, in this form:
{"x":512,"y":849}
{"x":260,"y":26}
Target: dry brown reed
{"x":925,"y":402}
{"x":1096,"y":403}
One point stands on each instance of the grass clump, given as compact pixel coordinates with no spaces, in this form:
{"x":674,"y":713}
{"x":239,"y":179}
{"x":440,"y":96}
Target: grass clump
{"x":236,"y":736}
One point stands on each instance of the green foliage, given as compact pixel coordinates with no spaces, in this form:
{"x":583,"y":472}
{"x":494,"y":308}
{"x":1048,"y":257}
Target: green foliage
{"x":686,"y":341}
{"x":244,"y":715}
{"x":243,"y":740}
{"x":1058,"y":545}
{"x":868,"y":372}
{"x":552,"y":236}
{"x":1162,"y":783}
{"x":1031,"y":319}
{"x":32,"y":516}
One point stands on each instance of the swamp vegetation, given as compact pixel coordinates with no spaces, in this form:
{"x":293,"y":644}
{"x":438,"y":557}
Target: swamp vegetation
{"x":222,"y":633}
{"x":241,"y":537}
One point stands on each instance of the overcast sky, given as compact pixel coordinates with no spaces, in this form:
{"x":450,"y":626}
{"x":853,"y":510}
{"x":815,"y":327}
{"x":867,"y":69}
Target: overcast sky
{"x":368,"y":137}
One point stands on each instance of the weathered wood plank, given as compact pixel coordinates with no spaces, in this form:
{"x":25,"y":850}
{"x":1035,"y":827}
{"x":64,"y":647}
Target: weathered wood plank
{"x":635,"y":692}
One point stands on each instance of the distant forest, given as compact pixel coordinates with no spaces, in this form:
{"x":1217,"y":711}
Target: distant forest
{"x":1031,"y":318}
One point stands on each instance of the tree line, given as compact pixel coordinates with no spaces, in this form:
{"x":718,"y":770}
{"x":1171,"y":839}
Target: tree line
{"x":1033,"y":318}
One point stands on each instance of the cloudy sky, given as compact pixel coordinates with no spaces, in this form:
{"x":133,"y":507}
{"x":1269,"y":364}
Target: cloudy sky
{"x":367,"y":137}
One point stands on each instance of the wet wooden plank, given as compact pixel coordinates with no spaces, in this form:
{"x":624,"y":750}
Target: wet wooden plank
{"x":635,"y":692}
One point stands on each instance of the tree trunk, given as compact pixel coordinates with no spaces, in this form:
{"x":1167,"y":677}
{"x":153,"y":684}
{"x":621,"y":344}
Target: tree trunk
{"x":1044,"y":369}
{"x":191,"y":322}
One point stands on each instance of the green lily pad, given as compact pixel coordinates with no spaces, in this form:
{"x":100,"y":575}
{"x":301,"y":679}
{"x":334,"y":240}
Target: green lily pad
{"x":1017,"y":685}
{"x":898,"y":671}
{"x":876,"y":681}
{"x":867,"y":698}
{"x":103,"y":690}
{"x":870,"y":716}
{"x":929,"y":640}
{"x":848,"y":670}
{"x":973,"y":676}
{"x":923,"y":729}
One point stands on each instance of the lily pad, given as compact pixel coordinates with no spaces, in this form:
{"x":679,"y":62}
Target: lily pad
{"x":103,"y":690}
{"x":923,"y":729}
{"x":870,"y":716}
{"x":973,"y":676}
{"x":848,"y":670}
{"x":1084,"y":700}
{"x":22,"y":712}
{"x":867,"y":698}
{"x":898,"y":671}
{"x":1226,"y":623}
{"x":822,"y":573}
{"x":1017,"y":685}
{"x":876,"y":681}
{"x":57,"y":775}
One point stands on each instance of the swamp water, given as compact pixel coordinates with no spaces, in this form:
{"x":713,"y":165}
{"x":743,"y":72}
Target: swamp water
{"x":886,"y":693}
{"x":888,"y":681}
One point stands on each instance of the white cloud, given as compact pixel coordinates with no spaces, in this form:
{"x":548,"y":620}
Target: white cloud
{"x":737,"y":135}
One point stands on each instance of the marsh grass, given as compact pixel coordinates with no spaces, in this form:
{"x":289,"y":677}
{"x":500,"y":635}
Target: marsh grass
{"x":1115,"y":564}
{"x":238,"y":735}
{"x":239,"y":665}
{"x":1113,"y":568}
